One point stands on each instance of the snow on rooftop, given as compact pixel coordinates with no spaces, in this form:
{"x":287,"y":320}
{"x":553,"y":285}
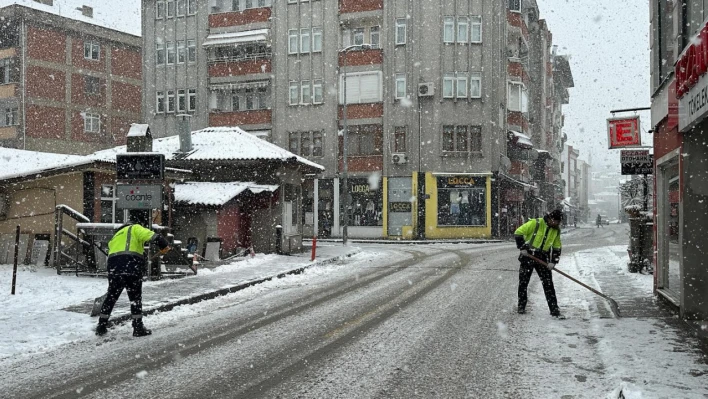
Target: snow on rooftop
{"x":19,"y":163}
{"x":138,"y":130}
{"x":208,"y":193}
{"x":216,"y":143}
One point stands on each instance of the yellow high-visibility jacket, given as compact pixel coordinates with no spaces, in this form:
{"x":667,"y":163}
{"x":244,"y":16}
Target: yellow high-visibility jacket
{"x":539,"y":236}
{"x":130,"y":240}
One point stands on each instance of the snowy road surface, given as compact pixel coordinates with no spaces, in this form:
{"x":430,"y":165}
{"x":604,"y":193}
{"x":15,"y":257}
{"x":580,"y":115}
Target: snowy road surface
{"x":394,"y":321}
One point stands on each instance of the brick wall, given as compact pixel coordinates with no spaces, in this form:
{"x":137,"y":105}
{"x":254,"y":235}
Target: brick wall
{"x":223,"y":69}
{"x":78,"y":60}
{"x":240,"y":118}
{"x":126,"y":97}
{"x":44,"y":122}
{"x":252,"y":15}
{"x":361,"y":111}
{"x":46,"y":45}
{"x":45,"y":83}
{"x":79,"y":95}
{"x":126,"y":62}
{"x":346,"y":6}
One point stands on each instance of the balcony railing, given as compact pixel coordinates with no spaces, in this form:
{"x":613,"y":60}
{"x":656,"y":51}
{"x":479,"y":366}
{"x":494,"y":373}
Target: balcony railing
{"x":247,"y":57}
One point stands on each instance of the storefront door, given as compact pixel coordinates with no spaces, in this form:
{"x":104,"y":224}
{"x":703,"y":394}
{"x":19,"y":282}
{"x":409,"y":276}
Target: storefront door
{"x":668,"y":251}
{"x":400,"y":208}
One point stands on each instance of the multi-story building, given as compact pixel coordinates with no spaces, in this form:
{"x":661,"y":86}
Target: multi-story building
{"x":425,"y":93}
{"x":66,"y":86}
{"x":679,"y":80}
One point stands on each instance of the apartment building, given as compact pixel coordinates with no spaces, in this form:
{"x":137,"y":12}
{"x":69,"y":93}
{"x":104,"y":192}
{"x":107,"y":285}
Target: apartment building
{"x":66,"y":86}
{"x":426,"y":93}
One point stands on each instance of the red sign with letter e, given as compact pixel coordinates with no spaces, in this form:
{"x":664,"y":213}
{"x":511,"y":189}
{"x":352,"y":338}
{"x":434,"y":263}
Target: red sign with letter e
{"x":624,"y":132}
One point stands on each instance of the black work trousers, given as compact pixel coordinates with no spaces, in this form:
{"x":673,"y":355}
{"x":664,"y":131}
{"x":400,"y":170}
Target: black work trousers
{"x":525,"y":271}
{"x":116,"y":283}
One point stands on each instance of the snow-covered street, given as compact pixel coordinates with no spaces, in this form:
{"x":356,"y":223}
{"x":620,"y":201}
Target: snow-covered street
{"x":394,"y":320}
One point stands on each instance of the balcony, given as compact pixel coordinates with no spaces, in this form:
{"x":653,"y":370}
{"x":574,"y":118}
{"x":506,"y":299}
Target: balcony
{"x":238,"y":118}
{"x":361,"y":57}
{"x":226,"y":68}
{"x":350,"y":6}
{"x":8,"y":90}
{"x":517,"y":25}
{"x":518,"y":119}
{"x":518,"y":70}
{"x":220,"y":19}
{"x":8,"y":133}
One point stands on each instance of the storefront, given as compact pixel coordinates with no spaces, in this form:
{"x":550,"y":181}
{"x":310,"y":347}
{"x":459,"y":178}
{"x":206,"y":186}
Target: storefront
{"x":458,"y":206}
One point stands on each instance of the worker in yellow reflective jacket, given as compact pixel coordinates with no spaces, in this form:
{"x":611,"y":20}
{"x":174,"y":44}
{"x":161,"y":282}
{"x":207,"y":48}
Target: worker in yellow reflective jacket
{"x":125,"y":270}
{"x":540,"y":238}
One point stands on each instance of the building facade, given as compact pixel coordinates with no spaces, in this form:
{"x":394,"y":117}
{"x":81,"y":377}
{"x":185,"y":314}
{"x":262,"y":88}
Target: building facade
{"x":678,"y":114}
{"x":66,"y":86}
{"x":440,"y":138}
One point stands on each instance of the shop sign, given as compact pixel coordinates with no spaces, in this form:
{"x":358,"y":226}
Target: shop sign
{"x":693,"y":106}
{"x":637,"y":162}
{"x":138,"y":197}
{"x":400,"y":207}
{"x":624,"y":132}
{"x":140,"y":166}
{"x":691,"y":81}
{"x":463,"y":181}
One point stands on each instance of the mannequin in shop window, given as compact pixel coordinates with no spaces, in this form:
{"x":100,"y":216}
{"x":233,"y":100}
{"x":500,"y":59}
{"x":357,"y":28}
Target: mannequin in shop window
{"x":370,"y":213}
{"x":455,"y":198}
{"x":465,"y":209}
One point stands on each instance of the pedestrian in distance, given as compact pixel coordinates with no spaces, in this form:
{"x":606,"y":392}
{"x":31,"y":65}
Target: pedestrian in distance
{"x":598,"y":221}
{"x":541,"y":239}
{"x":125,"y":271}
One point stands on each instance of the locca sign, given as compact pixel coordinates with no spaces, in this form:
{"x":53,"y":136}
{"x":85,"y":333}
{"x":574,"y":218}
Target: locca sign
{"x":691,"y":81}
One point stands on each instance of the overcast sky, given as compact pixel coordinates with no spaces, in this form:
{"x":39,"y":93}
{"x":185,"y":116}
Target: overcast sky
{"x":608,"y":41}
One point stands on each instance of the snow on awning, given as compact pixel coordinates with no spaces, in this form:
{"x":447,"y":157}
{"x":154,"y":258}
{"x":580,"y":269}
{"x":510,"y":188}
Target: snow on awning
{"x":521,"y":140}
{"x":216,"y":194}
{"x":235,"y":38}
{"x":138,"y":130}
{"x":240,"y":85}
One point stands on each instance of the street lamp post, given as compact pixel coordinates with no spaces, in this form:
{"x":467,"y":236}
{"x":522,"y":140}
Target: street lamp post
{"x":345,"y":146}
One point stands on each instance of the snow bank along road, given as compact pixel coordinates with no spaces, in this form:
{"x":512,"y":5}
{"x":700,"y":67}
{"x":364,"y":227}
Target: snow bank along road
{"x":395,"y":321}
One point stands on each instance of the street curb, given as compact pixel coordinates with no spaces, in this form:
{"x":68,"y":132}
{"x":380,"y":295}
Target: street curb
{"x":122,"y":318}
{"x":385,"y":241}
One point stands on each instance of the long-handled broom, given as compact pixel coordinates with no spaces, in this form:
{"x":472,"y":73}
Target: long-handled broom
{"x":613,"y":304}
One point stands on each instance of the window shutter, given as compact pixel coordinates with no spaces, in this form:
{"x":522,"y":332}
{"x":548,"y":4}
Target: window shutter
{"x":370,"y":88}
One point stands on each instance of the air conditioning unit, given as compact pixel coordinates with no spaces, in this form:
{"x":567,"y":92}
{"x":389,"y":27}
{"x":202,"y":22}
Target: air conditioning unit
{"x":399,"y":158}
{"x":426,"y":89}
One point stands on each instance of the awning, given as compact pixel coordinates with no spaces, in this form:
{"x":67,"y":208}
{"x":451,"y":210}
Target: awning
{"x":521,"y":140}
{"x":235,"y":38}
{"x":216,"y":194}
{"x":240,"y":85}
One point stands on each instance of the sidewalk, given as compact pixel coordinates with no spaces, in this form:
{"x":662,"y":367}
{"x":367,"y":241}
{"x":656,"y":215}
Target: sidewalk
{"x":214,"y":281}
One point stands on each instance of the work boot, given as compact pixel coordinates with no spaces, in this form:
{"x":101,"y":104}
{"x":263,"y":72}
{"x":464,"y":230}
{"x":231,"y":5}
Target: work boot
{"x":521,"y":310}
{"x":139,"y":329}
{"x":558,"y":316}
{"x":102,"y":327}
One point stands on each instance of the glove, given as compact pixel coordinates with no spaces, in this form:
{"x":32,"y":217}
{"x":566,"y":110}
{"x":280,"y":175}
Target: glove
{"x":525,"y":247}
{"x":551,"y":266}
{"x":524,"y":252}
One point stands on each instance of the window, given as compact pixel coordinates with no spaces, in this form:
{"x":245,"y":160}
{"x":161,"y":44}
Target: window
{"x":181,"y":56}
{"x":358,"y":35}
{"x":192,"y":7}
{"x":401,"y":31}
{"x":449,"y":85}
{"x":5,"y":71}
{"x":316,"y":40}
{"x":461,"y":139}
{"x":448,"y":139}
{"x":292,"y":41}
{"x":518,"y":98}
{"x":235,"y":5}
{"x":449,"y":30}
{"x":400,"y":85}
{"x":181,"y":8}
{"x":476,"y":138}
{"x":170,"y":53}
{"x":92,"y":123}
{"x":92,"y":85}
{"x":317,"y":93}
{"x":10,"y":118}
{"x":181,"y":100}
{"x":262,"y":94}
{"x":317,"y":148}
{"x":375,"y":37}
{"x":476,"y":85}
{"x":399,"y":139}
{"x":476,"y":29}
{"x":192,"y":50}
{"x":235,"y":102}
{"x":305,"y":92}
{"x":92,"y":51}
{"x":461,"y":87}
{"x":160,"y":10}
{"x":170,"y":8}
{"x":250,"y":99}
{"x":364,"y":140}
{"x":108,"y":204}
{"x":160,"y":102}
{"x":305,"y":144}
{"x":294,"y":93}
{"x":304,"y":40}
{"x":159,"y":53}
{"x":462,"y":29}
{"x":515,"y":5}
{"x":361,"y":87}
{"x":294,"y":143}
{"x":170,"y":101}
{"x":462,"y":204}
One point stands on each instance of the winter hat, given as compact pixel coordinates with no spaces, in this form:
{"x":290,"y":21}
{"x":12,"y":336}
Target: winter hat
{"x":556,"y":215}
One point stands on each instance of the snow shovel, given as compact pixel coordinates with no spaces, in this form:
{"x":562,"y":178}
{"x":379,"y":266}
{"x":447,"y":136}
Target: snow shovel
{"x":613,"y":304}
{"x":98,"y":302}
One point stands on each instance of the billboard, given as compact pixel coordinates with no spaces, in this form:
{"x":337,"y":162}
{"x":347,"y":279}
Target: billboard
{"x":624,"y":132}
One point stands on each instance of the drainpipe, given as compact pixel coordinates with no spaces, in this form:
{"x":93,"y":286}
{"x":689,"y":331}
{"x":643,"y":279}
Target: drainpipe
{"x":23,"y":37}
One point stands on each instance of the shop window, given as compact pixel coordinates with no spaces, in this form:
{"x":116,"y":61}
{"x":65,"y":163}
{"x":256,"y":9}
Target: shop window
{"x":366,"y":203}
{"x":462,"y":201}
